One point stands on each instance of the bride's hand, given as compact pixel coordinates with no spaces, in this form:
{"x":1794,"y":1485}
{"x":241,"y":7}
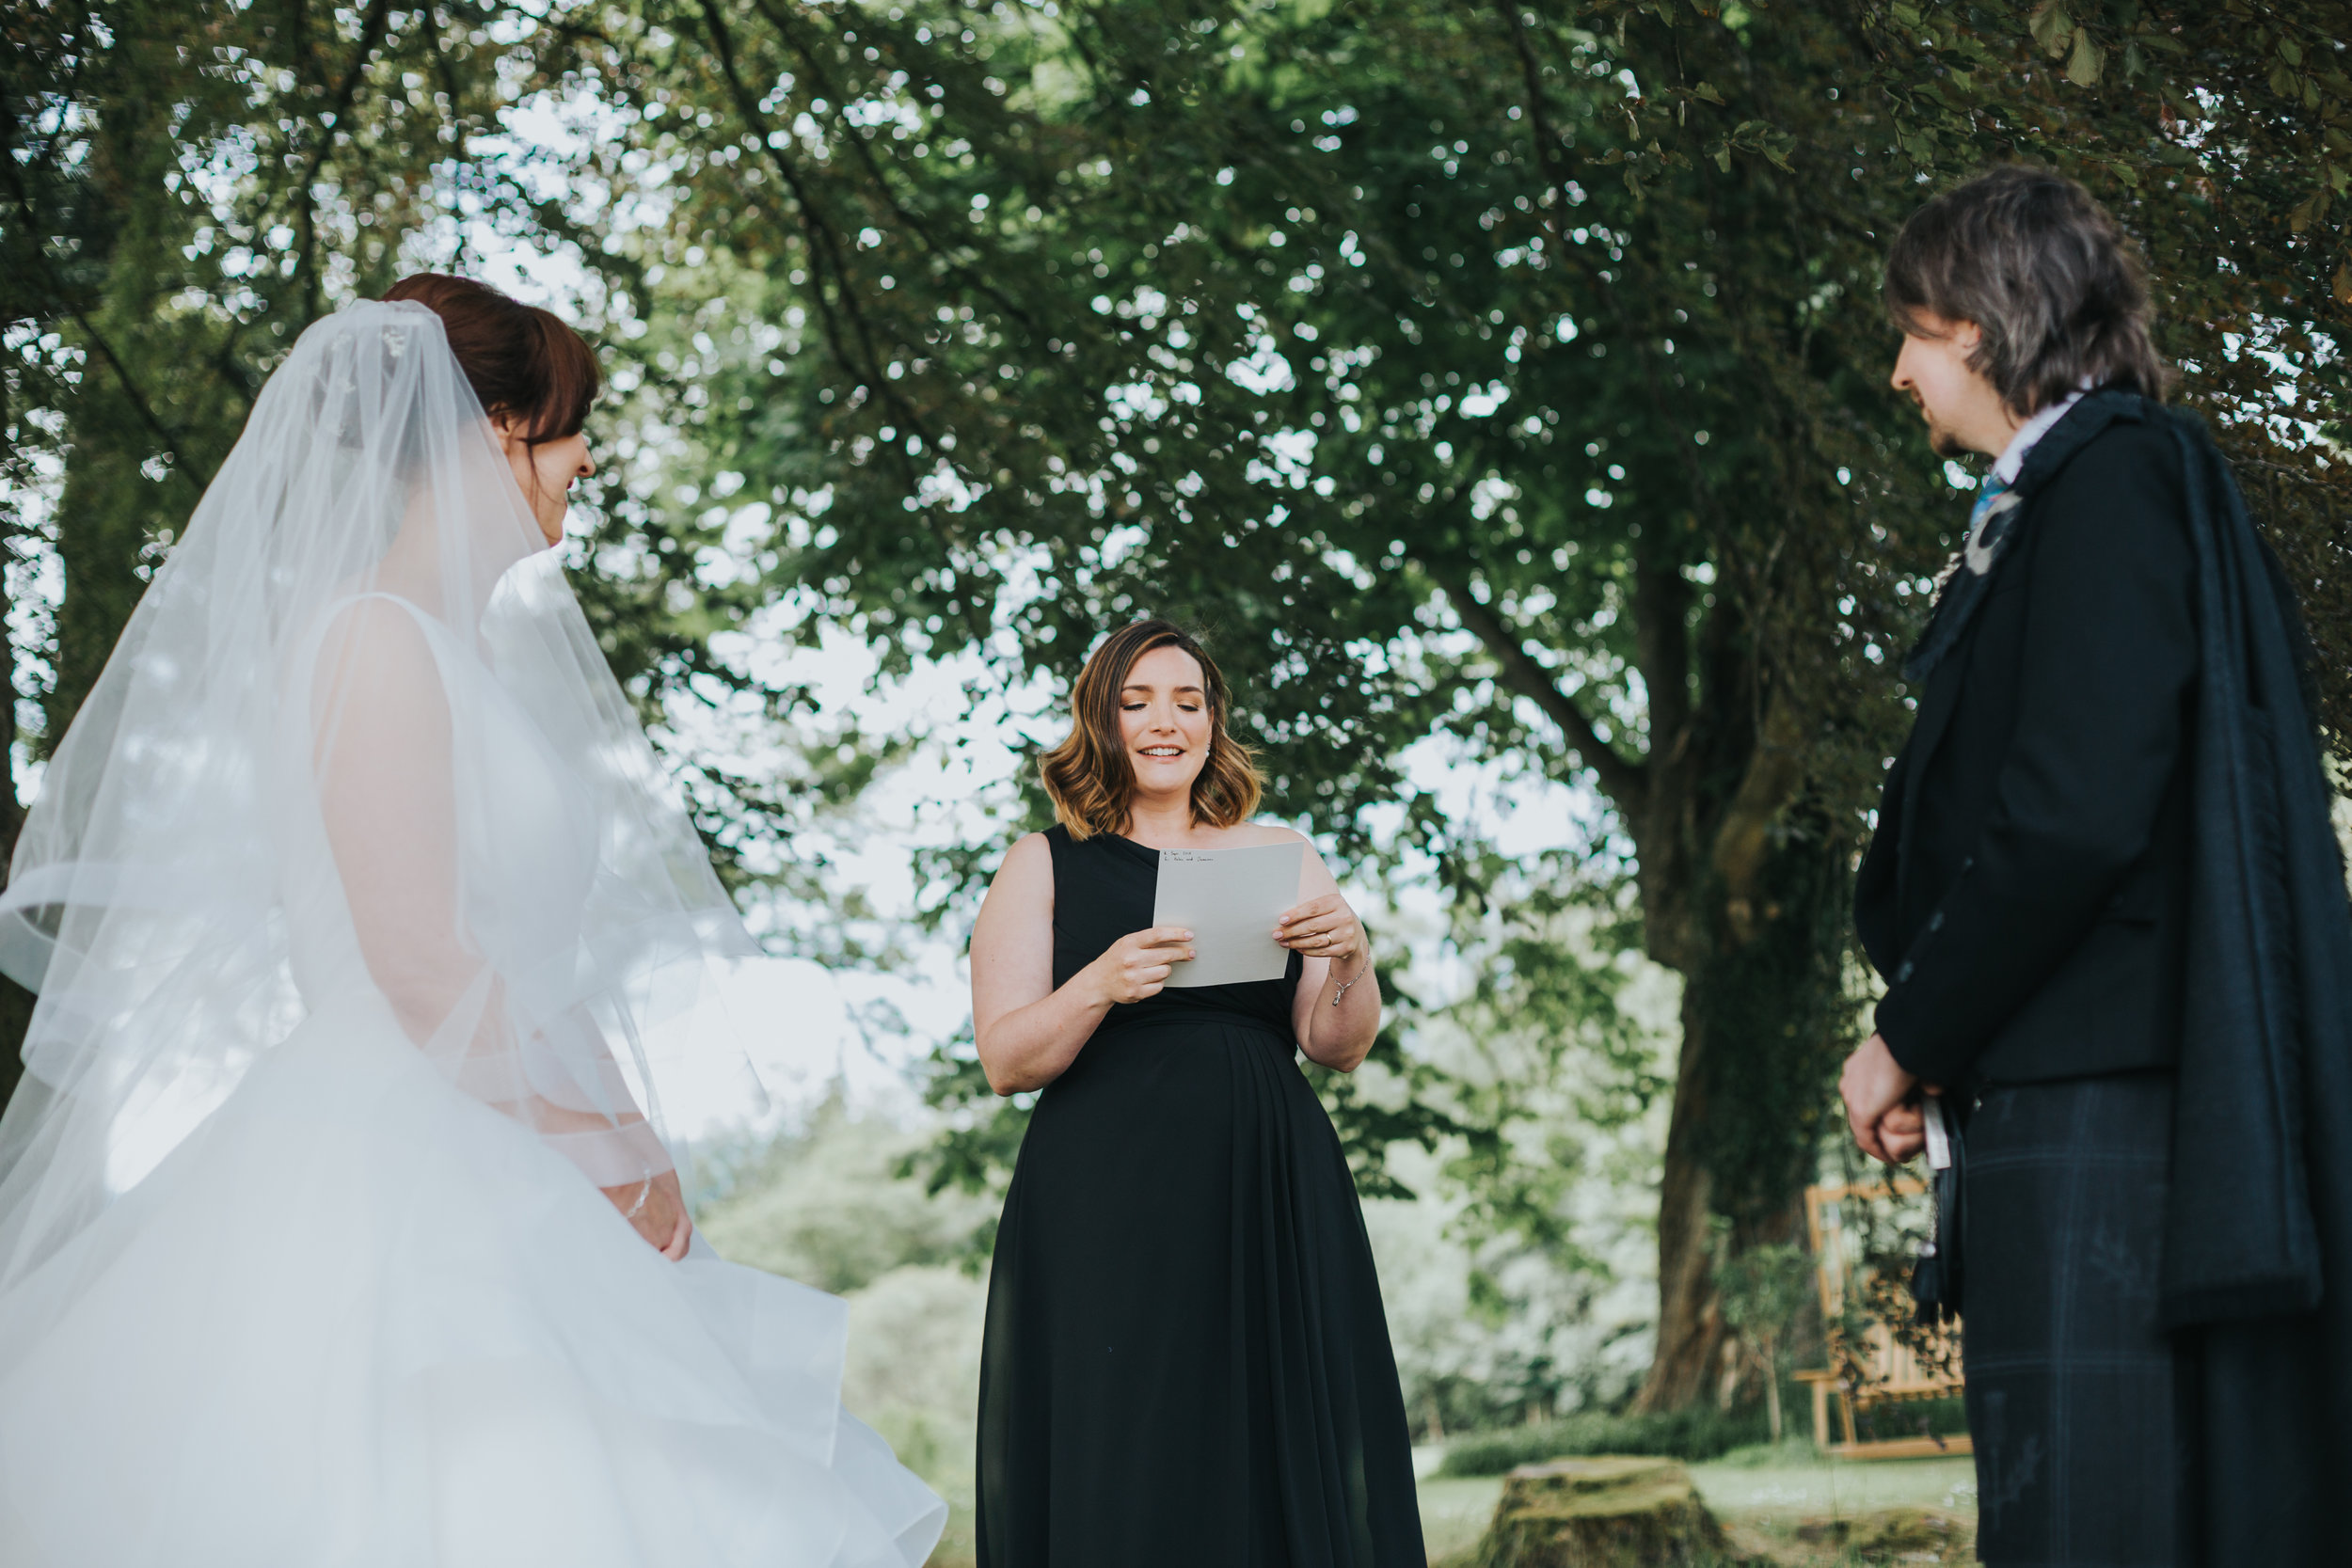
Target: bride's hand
{"x":662,"y":1221}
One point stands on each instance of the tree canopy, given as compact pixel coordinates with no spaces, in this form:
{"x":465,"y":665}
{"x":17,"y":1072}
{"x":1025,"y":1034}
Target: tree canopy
{"x":1509,"y":379}
{"x":1472,"y":372}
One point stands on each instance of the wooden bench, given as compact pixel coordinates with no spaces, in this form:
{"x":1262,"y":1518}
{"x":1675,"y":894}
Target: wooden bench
{"x":1892,"y":1372}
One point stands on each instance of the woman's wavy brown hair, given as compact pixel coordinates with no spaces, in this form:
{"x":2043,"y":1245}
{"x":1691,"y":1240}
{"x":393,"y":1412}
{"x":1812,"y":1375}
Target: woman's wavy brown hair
{"x":1089,"y":777}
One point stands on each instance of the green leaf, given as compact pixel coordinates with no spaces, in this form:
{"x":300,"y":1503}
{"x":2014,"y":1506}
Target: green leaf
{"x":2089,"y":59}
{"x":1722,"y":157}
{"x":1706,"y":93}
{"x":2290,"y":50}
{"x":2051,"y":28}
{"x":1904,"y":15}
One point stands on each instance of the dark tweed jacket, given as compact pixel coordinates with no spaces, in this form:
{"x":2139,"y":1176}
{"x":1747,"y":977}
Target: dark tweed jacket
{"x":2025,"y":896}
{"x":2153,"y":671}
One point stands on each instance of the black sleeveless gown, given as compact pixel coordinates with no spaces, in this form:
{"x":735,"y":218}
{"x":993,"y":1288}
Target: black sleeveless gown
{"x":1186,"y":1364}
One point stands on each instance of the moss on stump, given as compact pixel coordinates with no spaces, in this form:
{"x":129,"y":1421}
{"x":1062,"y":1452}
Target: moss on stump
{"x":1601,"y":1512}
{"x":1896,"y":1535}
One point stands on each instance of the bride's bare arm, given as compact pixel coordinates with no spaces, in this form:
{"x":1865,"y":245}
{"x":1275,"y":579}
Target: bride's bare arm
{"x":386,"y":769}
{"x":1028,"y":1032}
{"x":383,"y":754}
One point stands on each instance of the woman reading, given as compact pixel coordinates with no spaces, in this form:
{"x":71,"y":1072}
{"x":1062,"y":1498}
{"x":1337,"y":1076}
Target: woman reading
{"x":1186,"y":1361}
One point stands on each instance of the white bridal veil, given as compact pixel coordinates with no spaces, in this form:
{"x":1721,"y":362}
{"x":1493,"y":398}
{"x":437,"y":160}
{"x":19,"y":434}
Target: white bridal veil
{"x":358,"y":748}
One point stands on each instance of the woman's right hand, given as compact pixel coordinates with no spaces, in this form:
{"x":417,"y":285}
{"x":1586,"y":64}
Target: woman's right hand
{"x":1136,"y":966}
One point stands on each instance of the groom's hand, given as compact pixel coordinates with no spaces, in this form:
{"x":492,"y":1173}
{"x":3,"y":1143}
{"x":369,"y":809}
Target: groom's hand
{"x":1878,"y":1093}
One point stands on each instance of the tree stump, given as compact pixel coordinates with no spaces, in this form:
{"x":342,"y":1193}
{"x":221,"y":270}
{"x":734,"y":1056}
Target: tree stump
{"x":1601,"y":1512}
{"x":1894,"y":1535}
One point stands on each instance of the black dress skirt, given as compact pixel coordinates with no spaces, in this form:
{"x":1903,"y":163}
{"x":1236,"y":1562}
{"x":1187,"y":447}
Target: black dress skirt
{"x":1187,"y":1363}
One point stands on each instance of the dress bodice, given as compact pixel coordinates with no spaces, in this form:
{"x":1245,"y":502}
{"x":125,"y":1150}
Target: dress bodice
{"x":521,"y":822}
{"x":1104,"y":889}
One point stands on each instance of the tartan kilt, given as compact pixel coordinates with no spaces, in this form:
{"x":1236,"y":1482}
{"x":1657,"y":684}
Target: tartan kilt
{"x":2076,"y":1395}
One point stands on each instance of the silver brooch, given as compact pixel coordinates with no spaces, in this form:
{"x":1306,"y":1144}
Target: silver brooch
{"x":1978,"y":554}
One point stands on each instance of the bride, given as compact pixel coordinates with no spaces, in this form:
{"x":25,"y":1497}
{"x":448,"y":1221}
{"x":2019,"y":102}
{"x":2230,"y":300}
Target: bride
{"x":338,"y":1228}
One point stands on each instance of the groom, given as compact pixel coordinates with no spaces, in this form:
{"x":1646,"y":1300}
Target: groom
{"x":2108,"y":907}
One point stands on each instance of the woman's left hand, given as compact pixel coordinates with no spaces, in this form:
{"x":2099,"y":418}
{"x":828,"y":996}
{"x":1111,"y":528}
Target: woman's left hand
{"x":1323,"y":927}
{"x":661,"y":1217}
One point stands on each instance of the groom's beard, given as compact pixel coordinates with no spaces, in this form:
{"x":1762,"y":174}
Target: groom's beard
{"x":1942,"y":440}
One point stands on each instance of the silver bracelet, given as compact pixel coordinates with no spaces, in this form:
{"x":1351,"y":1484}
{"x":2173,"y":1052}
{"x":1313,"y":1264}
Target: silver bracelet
{"x":1341,"y":995}
{"x":639,"y":1207}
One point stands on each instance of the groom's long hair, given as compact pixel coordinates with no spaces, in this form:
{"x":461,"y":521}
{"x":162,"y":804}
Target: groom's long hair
{"x":2045,"y":273}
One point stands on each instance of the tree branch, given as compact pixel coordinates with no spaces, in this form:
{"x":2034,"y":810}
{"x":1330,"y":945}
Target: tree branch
{"x":905,"y":214}
{"x":1625,"y":782}
{"x":92,"y":338}
{"x":1539,"y":127}
{"x":824,"y":242}
{"x":371,"y":35}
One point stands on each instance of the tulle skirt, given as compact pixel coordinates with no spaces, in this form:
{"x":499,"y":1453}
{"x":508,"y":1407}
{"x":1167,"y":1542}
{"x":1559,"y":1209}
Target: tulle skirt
{"x":359,"y":1319}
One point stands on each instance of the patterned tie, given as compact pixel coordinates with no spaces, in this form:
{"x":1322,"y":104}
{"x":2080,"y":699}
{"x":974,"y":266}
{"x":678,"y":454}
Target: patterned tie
{"x":1988,"y":489}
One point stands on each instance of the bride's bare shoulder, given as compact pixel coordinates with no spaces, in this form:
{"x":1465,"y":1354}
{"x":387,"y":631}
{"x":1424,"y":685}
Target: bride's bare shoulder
{"x":376,"y":648}
{"x":377,"y":626}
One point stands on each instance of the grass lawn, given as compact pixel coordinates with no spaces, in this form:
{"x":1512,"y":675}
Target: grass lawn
{"x":1765,"y":1496}
{"x":1454,"y":1514}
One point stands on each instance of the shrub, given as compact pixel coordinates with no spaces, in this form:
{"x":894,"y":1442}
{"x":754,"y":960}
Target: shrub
{"x":1691,"y":1434}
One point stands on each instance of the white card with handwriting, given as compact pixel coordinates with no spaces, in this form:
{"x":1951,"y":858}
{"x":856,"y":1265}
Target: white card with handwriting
{"x":1230,"y":900}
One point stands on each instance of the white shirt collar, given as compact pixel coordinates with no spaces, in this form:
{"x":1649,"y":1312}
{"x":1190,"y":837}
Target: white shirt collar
{"x":2013,"y":456}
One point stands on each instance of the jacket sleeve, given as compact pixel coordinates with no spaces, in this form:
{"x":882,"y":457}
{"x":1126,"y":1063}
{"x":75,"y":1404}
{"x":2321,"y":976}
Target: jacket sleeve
{"x":2109,"y":658}
{"x":1875,"y":885}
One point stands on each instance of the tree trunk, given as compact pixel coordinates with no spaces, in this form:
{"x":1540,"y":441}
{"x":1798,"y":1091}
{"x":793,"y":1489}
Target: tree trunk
{"x":104,"y":519}
{"x":16,"y":1016}
{"x":1690,"y":1325}
{"x":16,"y":1002}
{"x":1763,"y":1026}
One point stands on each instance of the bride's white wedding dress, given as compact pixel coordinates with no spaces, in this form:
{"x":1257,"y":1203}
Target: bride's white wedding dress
{"x":303,"y":1262}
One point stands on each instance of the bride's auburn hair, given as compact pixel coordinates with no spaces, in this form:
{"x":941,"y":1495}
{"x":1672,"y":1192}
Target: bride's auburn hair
{"x":1087,"y":776}
{"x":521,"y":361}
